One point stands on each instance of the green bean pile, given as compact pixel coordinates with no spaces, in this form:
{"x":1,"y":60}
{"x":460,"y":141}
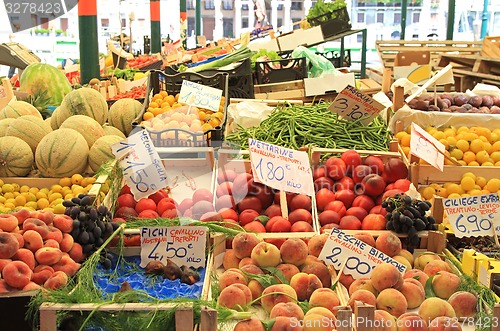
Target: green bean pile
{"x":294,"y":126}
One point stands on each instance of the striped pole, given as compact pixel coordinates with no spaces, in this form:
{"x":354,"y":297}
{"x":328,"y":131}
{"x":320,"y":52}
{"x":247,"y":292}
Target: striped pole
{"x":89,"y":49}
{"x":154,"y":7}
{"x":183,"y":19}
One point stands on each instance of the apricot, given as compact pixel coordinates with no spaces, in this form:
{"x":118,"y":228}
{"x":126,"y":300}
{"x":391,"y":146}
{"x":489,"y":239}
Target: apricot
{"x":294,"y":251}
{"x":48,"y":255}
{"x":275,"y":294}
{"x":392,"y":301}
{"x":435,"y":307}
{"x":388,"y":243}
{"x":243,"y":244}
{"x":33,"y":240}
{"x":289,"y":309}
{"x":234,"y":297}
{"x":321,"y":271}
{"x":324,"y":297}
{"x":8,"y":222}
{"x":252,"y":324}
{"x":230,"y":260}
{"x":17,"y":274}
{"x":26,"y":256}
{"x":266,"y":255}
{"x":37,"y":225}
{"x":364,"y":296}
{"x":57,"y":280}
{"x":433,"y":267}
{"x":362,"y":284}
{"x":386,"y":275}
{"x":445,"y":284}
{"x":232,"y":276}
{"x":305,"y":284}
{"x":8,"y":245}
{"x":315,"y":244}
{"x":463,"y":303}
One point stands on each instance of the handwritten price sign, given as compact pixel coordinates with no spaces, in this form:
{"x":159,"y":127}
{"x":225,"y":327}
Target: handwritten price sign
{"x":281,"y":168}
{"x":361,"y":257}
{"x":352,"y":105}
{"x":198,"y":95}
{"x":426,"y":147}
{"x":143,"y":170}
{"x":474,"y":216}
{"x":183,"y":245}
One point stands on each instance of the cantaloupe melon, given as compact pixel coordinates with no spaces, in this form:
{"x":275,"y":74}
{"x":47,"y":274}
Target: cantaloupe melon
{"x":101,"y":152}
{"x":62,"y":153}
{"x":29,"y":128}
{"x":84,"y":101}
{"x":122,"y":113}
{"x":111,"y":130}
{"x":15,"y":109}
{"x":54,"y":123}
{"x":4,"y":125}
{"x":16,"y":157}
{"x":88,"y":127}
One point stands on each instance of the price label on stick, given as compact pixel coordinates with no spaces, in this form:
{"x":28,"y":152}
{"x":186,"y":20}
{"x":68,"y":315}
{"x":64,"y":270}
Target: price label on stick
{"x":201,"y":96}
{"x":356,"y":257}
{"x":281,"y":168}
{"x":426,"y":147}
{"x":143,"y":170}
{"x":474,"y":216}
{"x":352,"y":105}
{"x":183,"y":245}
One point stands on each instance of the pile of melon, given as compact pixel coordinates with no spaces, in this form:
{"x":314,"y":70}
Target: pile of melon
{"x":76,"y":139}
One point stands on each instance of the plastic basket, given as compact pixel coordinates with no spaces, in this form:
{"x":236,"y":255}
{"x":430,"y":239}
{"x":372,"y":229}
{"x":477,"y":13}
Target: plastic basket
{"x":333,"y":23}
{"x":240,"y":80}
{"x":159,"y":81}
{"x":334,"y":58}
{"x":278,"y":71}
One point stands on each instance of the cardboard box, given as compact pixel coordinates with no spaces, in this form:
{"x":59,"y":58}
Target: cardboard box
{"x":289,"y":41}
{"x":258,"y":44}
{"x":415,"y":66}
{"x":328,"y":83}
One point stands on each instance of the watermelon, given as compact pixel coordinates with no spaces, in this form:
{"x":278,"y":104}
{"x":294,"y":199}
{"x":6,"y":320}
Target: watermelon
{"x":44,"y":78}
{"x":84,"y":101}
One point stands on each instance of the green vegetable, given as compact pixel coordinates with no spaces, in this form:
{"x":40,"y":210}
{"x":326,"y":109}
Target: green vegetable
{"x":127,"y":74}
{"x":298,"y":126}
{"x":272,"y":55}
{"x":322,"y":8}
{"x":241,"y":54}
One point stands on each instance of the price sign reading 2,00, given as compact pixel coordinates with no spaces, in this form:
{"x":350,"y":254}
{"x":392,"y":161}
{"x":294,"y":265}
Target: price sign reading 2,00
{"x":273,"y":173}
{"x":355,"y":113}
{"x":476,"y":225}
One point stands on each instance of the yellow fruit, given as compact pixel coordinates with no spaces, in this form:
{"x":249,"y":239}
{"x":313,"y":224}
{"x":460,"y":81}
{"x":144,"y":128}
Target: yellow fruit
{"x":462,"y":162}
{"x":470,"y":136}
{"x":56,"y":188}
{"x":444,"y":142}
{"x":45,"y":191}
{"x":428,"y":193}
{"x":452,"y":141}
{"x":31,"y":204}
{"x":1,"y":182}
{"x":476,"y":145}
{"x":42,"y":203}
{"x":7,"y":188}
{"x":457,"y":153}
{"x":469,"y":157}
{"x":493,"y":185}
{"x":453,"y":188}
{"x":453,"y":196}
{"x":469,"y":174}
{"x":463,"y":145}
{"x":76,"y":179}
{"x":56,"y":202}
{"x":54,"y":196}
{"x":88,"y":181}
{"x":467,"y":183}
{"x":439,"y":135}
{"x":487,"y":164}
{"x":449,"y":132}
{"x":34,"y":190}
{"x":464,"y":195}
{"x":69,"y":196}
{"x":474,"y":192}
{"x":473,"y":164}
{"x":16,"y":187}
{"x":482,"y":157}
{"x":77,"y":189}
{"x":65,"y":181}
{"x":24,"y":188}
{"x":2,"y":199}
{"x":485,"y":192}
{"x":462,"y":129}
{"x":495,"y":156}
{"x":9,"y":195}
{"x":496,"y":146}
{"x":20,"y":200}
{"x":442,"y":192}
{"x":41,"y":195}
{"x":59,"y":209}
{"x":481,"y":181}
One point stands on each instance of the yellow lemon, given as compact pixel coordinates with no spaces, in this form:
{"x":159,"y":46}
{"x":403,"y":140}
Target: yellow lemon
{"x":24,"y":188}
{"x":476,"y":145}
{"x":481,"y":181}
{"x":428,"y":193}
{"x":467,"y":183}
{"x":469,"y":157}
{"x":42,"y":203}
{"x":453,"y":188}
{"x":482,"y":157}
{"x":493,"y":185}
{"x":20,"y":200}
{"x":457,"y":153}
{"x":463,"y":145}
{"x":7,"y":188}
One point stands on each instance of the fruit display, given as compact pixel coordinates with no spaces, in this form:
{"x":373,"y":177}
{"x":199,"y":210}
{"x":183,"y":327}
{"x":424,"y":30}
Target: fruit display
{"x":136,"y":92}
{"x":458,"y":102}
{"x":475,"y":146}
{"x":469,"y":185}
{"x":142,"y":61}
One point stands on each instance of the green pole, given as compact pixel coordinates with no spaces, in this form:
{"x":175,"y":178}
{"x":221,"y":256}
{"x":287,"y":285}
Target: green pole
{"x":89,"y":49}
{"x":183,"y":20}
{"x":404,"y":8}
{"x":198,"y":18}
{"x":451,"y":20}
{"x":154,"y":8}
{"x":484,"y":23}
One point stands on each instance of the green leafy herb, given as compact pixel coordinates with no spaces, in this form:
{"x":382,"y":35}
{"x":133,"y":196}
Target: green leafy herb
{"x":278,"y":273}
{"x":429,"y":292}
{"x":322,"y":8}
{"x":264,"y":280}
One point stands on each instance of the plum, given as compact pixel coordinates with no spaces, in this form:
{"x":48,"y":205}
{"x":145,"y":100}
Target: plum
{"x":447,"y":102}
{"x":495,"y":110}
{"x":447,"y":96}
{"x":467,"y":106}
{"x":460,"y":99}
{"x":433,"y":108}
{"x":496,"y":101}
{"x":453,"y":108}
{"x":487,"y":101}
{"x":440,"y":104}
{"x":422,"y":105}
{"x":476,"y":101}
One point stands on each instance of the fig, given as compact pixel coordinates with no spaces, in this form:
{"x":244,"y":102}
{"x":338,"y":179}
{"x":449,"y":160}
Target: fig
{"x":484,"y":110}
{"x":125,"y":287}
{"x":453,"y":108}
{"x":189,"y":276}
{"x":172,"y":271}
{"x":462,"y":110}
{"x":487,"y":101}
{"x":154,"y":268}
{"x":433,"y":108}
{"x":460,"y":99}
{"x":467,"y":106}
{"x":447,"y":96}
{"x":474,"y":110}
{"x":447,"y":102}
{"x":422,"y":105}
{"x":495,"y":110}
{"x":412,"y":103}
{"x":440,"y":104}
{"x":476,"y":101}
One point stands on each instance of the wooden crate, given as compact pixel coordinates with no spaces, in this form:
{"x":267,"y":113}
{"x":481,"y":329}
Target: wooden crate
{"x":491,"y":47}
{"x":292,"y":90}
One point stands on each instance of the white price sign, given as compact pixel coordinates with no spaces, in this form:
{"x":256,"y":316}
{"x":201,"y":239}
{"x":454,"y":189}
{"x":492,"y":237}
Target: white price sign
{"x":426,"y":147}
{"x":281,"y":168}
{"x":353,"y":105}
{"x":143,"y":170}
{"x":474,"y":216}
{"x":183,"y":245}
{"x":201,"y":96}
{"x":361,"y":257}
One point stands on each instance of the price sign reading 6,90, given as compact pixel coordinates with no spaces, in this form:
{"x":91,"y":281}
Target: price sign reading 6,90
{"x":143,"y":170}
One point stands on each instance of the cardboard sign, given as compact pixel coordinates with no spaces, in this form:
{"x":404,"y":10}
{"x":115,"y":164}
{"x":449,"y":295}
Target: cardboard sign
{"x":201,"y":96}
{"x":352,"y":105}
{"x":474,"y":216}
{"x":361,"y":257}
{"x":143,"y":170}
{"x":426,"y":147}
{"x":183,"y":245}
{"x":281,"y":168}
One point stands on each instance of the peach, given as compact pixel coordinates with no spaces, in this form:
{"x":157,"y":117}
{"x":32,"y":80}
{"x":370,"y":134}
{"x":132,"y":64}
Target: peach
{"x":423,"y":259}
{"x":230,"y":260}
{"x":252,"y":324}
{"x":416,"y":274}
{"x":294,"y":251}
{"x":19,"y":238}
{"x":67,"y":243}
{"x":407,"y":255}
{"x":32,"y":286}
{"x":17,"y":274}
{"x":275,"y":294}
{"x":411,"y":322}
{"x":8,"y":222}
{"x":54,"y":233}
{"x":445,"y":284}
{"x":288,"y":270}
{"x":232,"y":276}
{"x":243,"y":244}
{"x":311,"y":259}
{"x":305,"y":284}
{"x":57,"y":280}
{"x":252,"y":269}
{"x":435,"y":307}
{"x":66,"y":264}
{"x":245,"y":261}
{"x":36,"y":225}
{"x":289,"y":309}
{"x":319,"y":319}
{"x":463,"y":303}
{"x":366,"y":238}
{"x":46,"y":216}
{"x":76,"y":253}
{"x":255,"y":288}
{"x":3,"y":263}
{"x":392,"y":301}
{"x":40,"y":275}
{"x":386,"y":275}
{"x":324,"y":297}
{"x":346,"y":280}
{"x":362,"y":284}
{"x":284,"y":323}
{"x":33,"y":240}
{"x":48,"y":255}
{"x":234,"y":297}
{"x":63,"y":223}
{"x":4,"y":287}
{"x":414,"y":292}
{"x":433,"y":267}
{"x":315,"y":244}
{"x":51,"y":243}
{"x":403,"y":261}
{"x":26,"y":256}
{"x":21,"y":215}
{"x":364,"y":296}
{"x":266,"y":255}
{"x":246,"y":291}
{"x":445,"y":323}
{"x":321,"y":271}
{"x":384,"y":321}
{"x":8,"y":245}
{"x":388,"y":243}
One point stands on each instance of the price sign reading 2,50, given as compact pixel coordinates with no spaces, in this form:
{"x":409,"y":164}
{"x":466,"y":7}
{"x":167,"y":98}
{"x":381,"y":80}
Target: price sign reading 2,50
{"x":343,"y":105}
{"x":473,"y":223}
{"x":273,"y":172}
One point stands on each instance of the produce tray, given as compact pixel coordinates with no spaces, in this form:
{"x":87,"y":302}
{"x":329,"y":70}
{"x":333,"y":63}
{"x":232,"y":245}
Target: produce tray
{"x":333,"y":23}
{"x":278,"y":71}
{"x":335,"y":57}
{"x":240,"y":80}
{"x":159,"y":81}
{"x":13,"y":309}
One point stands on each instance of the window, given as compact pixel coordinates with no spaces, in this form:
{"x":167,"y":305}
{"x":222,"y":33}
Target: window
{"x":244,"y":6}
{"x":397,"y":18}
{"x":380,"y":17}
{"x":124,"y":22}
{"x":227,"y":27}
{"x":244,"y":22}
{"x":227,"y":5}
{"x":209,"y":4}
{"x":105,"y":22}
{"x":416,"y":17}
{"x":64,"y":24}
{"x":190,"y":26}
{"x":280,"y":6}
{"x":190,"y":4}
{"x":280,"y":22}
{"x":359,"y":38}
{"x":361,"y":17}
{"x":44,"y":22}
{"x":296,"y":5}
